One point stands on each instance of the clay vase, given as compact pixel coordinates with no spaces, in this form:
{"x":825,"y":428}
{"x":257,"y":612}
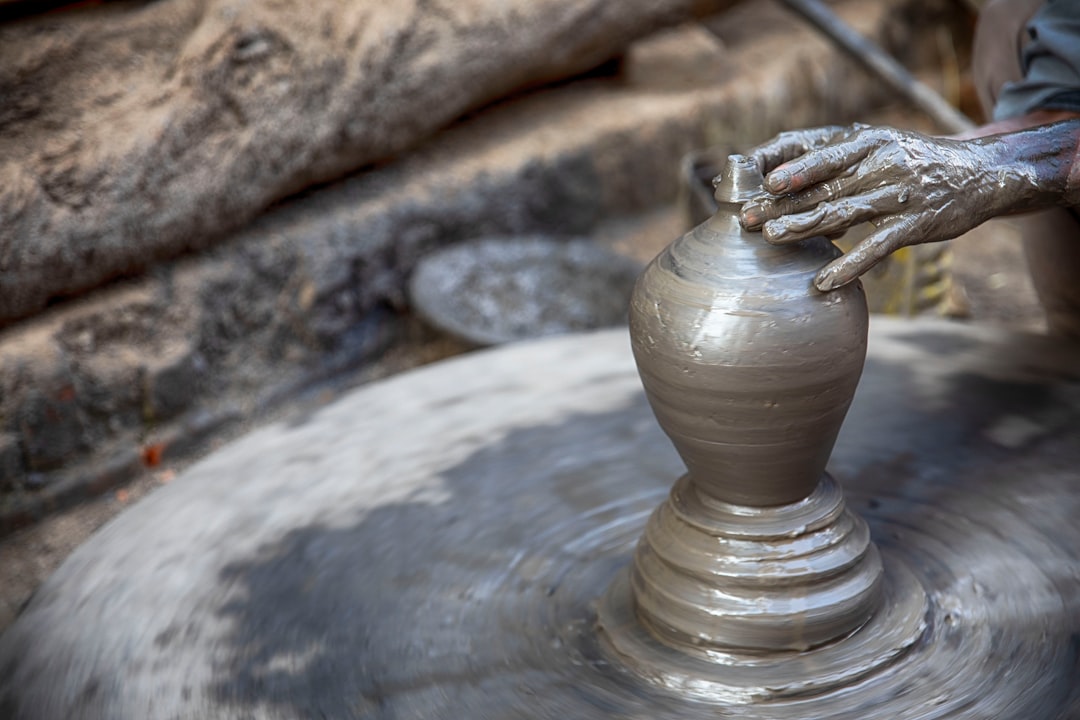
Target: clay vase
{"x":750,"y":371}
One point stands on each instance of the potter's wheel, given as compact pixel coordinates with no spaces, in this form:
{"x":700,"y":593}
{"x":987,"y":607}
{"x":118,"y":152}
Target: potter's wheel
{"x":435,"y":546}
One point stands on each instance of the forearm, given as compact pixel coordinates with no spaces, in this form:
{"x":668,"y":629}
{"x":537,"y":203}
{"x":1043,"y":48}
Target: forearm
{"x":1032,"y":166}
{"x":1023,"y":122}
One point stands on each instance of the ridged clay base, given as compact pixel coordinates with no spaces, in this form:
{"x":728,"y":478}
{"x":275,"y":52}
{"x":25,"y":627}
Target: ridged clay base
{"x":711,"y":578}
{"x":737,"y":678}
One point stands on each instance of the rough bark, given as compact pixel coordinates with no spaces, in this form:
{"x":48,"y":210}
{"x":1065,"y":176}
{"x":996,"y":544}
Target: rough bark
{"x":134,"y":131}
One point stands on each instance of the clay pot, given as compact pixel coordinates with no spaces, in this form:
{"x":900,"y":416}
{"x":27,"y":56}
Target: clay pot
{"x":749,"y":369}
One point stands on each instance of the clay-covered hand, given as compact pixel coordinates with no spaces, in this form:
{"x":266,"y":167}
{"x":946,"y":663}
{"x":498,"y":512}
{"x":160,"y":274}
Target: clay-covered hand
{"x":791,"y":144}
{"x":914,"y":188}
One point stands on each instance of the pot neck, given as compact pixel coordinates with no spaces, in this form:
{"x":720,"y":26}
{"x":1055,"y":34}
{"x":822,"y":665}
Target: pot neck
{"x":741,"y":181}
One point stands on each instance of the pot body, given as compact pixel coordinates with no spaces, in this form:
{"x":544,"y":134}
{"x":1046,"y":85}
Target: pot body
{"x":748,"y":367}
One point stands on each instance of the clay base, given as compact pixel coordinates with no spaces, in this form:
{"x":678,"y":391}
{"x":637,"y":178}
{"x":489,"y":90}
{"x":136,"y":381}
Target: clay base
{"x":435,"y":546}
{"x":710,"y":578}
{"x":740,"y":678}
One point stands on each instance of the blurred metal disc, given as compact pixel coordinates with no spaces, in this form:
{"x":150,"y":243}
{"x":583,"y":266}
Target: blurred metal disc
{"x":500,"y":289}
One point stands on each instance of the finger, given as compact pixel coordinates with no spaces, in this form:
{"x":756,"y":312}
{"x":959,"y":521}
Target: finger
{"x":831,"y":217}
{"x":791,"y":144}
{"x":865,"y":255}
{"x":817,"y":166}
{"x":761,"y":209}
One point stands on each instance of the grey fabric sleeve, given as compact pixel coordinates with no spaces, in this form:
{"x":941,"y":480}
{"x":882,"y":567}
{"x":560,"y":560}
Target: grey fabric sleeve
{"x":1050,"y":63}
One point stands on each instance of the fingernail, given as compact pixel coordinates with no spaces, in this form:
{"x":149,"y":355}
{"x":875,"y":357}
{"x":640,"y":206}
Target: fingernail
{"x":778,"y":181}
{"x":751,"y":215}
{"x":773,"y":231}
{"x":827,"y":280}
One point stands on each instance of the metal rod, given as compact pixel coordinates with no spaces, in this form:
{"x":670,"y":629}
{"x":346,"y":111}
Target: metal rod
{"x":882,"y":65}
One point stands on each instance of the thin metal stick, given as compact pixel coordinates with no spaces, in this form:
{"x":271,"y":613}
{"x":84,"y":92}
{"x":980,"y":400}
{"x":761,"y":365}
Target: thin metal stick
{"x":882,"y":65}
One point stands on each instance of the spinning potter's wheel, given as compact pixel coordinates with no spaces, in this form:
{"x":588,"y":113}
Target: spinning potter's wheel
{"x":459,"y":542}
{"x":435,"y":546}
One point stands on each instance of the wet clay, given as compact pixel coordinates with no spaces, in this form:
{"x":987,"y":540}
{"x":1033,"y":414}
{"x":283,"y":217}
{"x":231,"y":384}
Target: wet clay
{"x":750,"y":371}
{"x":748,"y":368}
{"x":912,"y":187}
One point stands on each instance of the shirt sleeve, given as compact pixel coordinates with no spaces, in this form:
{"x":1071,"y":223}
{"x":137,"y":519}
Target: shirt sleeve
{"x":1050,"y":61}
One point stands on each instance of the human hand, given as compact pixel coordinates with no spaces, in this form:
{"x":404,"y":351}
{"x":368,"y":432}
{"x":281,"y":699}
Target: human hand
{"x":791,"y":144}
{"x":913,"y":188}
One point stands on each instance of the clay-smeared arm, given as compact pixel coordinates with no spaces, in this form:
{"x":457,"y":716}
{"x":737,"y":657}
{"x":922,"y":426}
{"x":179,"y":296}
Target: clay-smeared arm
{"x":914,"y":188}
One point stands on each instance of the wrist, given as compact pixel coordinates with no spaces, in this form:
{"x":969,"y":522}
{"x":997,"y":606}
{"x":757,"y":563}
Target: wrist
{"x":1032,"y":168}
